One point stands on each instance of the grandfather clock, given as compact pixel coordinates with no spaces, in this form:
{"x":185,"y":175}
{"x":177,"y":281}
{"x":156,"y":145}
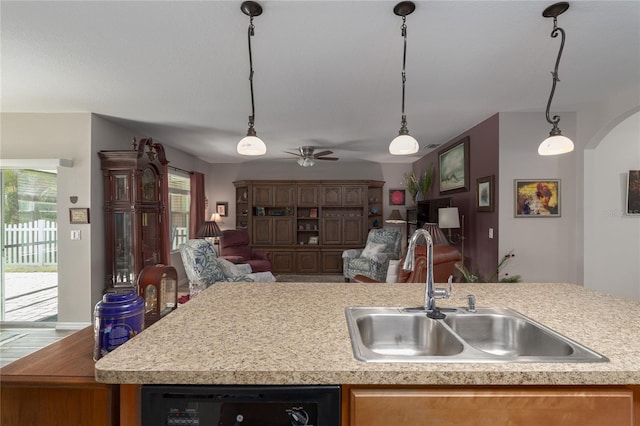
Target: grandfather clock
{"x":135,"y":211}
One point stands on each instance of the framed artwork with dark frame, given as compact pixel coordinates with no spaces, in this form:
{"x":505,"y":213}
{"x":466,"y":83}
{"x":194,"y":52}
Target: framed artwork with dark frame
{"x":537,"y":197}
{"x":222,"y":208}
{"x":397,"y":197}
{"x":454,"y":167}
{"x":485,"y":194}
{"x":633,"y":192}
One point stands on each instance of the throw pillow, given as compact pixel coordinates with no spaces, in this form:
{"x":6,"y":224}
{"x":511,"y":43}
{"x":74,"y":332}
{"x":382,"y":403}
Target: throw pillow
{"x":372,"y":249}
{"x":228,"y":269}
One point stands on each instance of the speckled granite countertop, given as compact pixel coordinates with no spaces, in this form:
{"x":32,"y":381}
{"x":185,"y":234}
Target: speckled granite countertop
{"x":296,"y":333}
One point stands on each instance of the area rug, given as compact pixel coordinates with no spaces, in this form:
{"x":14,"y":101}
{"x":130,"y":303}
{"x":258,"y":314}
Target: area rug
{"x":310,"y":278}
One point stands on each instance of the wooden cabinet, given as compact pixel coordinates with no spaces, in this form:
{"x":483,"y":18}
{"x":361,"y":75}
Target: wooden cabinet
{"x":56,"y":386}
{"x":288,"y":218}
{"x":307,"y":262}
{"x":485,"y":405}
{"x":272,"y":231}
{"x":273,"y":195}
{"x":135,"y":211}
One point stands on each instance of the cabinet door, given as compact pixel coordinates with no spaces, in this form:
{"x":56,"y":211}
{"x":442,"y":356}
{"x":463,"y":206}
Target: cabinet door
{"x":283,"y":195}
{"x":262,"y":231}
{"x":353,"y":196}
{"x":331,"y":230}
{"x":283,"y":262}
{"x":307,"y":262}
{"x":352,"y":233}
{"x":308,"y":196}
{"x":262,"y":195}
{"x":523,"y":407}
{"x":283,"y":230}
{"x":332,"y":195}
{"x":331,"y":261}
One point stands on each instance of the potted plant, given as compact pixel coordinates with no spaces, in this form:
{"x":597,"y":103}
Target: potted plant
{"x":419,"y":184}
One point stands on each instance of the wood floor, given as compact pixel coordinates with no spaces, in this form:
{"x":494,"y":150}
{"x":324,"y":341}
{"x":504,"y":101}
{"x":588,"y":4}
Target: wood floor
{"x":19,"y":340}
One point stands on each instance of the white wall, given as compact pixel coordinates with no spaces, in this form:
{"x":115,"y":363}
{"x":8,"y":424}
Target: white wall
{"x":30,"y":136}
{"x":545,"y":248}
{"x":612,"y":239}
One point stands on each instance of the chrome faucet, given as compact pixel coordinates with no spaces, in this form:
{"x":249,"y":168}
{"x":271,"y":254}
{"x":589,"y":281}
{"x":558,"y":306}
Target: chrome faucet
{"x":430,"y":294}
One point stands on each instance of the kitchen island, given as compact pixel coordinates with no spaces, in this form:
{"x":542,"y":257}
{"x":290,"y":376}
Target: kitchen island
{"x":296,"y":333}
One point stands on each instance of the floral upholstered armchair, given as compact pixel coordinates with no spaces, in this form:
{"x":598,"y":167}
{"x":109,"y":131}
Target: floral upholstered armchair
{"x":204,"y":268}
{"x":382,"y":246}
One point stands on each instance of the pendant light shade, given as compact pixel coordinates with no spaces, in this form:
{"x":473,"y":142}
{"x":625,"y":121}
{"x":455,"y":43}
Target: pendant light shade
{"x":556,"y":143}
{"x":404,"y":143}
{"x":251,"y":144}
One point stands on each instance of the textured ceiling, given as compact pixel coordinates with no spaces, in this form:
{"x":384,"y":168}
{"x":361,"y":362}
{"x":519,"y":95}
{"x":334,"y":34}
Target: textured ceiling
{"x":327,"y":73}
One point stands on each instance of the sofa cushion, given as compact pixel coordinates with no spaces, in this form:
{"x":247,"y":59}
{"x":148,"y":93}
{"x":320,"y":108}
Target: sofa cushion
{"x":372,"y":249}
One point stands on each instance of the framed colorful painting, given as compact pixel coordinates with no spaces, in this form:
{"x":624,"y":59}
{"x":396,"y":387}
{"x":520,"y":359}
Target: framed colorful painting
{"x":397,"y":197}
{"x":537,"y":197}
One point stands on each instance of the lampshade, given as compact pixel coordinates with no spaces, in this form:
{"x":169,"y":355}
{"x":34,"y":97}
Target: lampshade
{"x":448,"y":218}
{"x":404,"y":144}
{"x":209,"y":229}
{"x":437,"y":236}
{"x":555,"y":145}
{"x":395,"y":217}
{"x":251,"y":145}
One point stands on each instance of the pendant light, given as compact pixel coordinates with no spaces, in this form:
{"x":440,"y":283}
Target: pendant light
{"x":251,"y":144}
{"x":404,"y":143}
{"x":556,"y":143}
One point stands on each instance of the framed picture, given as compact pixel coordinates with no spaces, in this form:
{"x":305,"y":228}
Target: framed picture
{"x":537,"y":198}
{"x":397,"y":197}
{"x":222,"y":208}
{"x":79,"y":215}
{"x":313,"y":240}
{"x":313,"y":213}
{"x":484,"y":194}
{"x":633,"y":192}
{"x":454,"y":167}
{"x":259,"y":211}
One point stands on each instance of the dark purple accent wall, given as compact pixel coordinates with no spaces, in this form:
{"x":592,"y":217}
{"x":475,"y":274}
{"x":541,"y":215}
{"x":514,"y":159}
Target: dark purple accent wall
{"x":480,"y":252}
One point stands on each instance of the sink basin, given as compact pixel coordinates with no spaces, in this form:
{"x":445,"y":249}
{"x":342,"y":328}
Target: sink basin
{"x":394,"y":334}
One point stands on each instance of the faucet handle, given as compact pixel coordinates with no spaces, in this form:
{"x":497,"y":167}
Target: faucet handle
{"x":444,"y":293}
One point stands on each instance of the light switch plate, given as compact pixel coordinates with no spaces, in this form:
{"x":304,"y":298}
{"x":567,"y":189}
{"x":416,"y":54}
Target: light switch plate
{"x":76,"y":234}
{"x":491,"y":233}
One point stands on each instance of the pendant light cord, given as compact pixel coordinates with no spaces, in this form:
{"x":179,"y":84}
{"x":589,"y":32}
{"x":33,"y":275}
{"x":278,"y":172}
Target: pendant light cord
{"x":403,"y":123}
{"x":554,"y":34}
{"x":250,"y":33}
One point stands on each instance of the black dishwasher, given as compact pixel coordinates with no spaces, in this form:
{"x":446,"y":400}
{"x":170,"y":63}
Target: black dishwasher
{"x":204,"y":405}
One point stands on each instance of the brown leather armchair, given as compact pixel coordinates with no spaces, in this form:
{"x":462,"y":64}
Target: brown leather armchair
{"x":235,"y":247}
{"x":444,"y":260}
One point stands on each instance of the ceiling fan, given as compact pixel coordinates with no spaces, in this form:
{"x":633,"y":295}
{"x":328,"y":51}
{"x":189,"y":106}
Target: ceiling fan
{"x":307,"y":157}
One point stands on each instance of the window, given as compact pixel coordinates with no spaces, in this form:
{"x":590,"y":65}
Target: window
{"x":179,"y":201}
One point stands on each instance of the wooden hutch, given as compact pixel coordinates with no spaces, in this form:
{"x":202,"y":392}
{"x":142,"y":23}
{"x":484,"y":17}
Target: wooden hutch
{"x":307,"y":224}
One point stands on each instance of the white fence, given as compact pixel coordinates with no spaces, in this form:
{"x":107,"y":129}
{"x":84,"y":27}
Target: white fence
{"x":31,"y":243}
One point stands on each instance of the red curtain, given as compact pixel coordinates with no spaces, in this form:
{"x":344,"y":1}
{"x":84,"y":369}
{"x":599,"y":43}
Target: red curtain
{"x":196,"y":215}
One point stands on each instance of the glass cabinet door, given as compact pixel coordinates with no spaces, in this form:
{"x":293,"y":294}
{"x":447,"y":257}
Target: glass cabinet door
{"x":150,"y":238}
{"x":120,"y":190}
{"x":123,"y":271}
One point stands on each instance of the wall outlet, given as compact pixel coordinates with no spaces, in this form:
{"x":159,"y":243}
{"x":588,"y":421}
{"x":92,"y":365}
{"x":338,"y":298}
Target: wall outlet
{"x":491,"y":233}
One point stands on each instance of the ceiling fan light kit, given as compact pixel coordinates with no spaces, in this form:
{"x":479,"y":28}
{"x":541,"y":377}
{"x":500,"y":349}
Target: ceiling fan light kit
{"x":556,"y":143}
{"x":251,"y":144}
{"x":308,"y":157}
{"x":404,"y":143}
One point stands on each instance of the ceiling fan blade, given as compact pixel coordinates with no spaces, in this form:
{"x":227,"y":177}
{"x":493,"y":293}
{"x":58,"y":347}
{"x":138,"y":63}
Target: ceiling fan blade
{"x":321,"y":153}
{"x":297,"y":154}
{"x":327,"y":158}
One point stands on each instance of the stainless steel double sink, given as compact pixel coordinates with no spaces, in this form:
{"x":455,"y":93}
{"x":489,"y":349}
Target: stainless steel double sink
{"x":393,"y":334}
